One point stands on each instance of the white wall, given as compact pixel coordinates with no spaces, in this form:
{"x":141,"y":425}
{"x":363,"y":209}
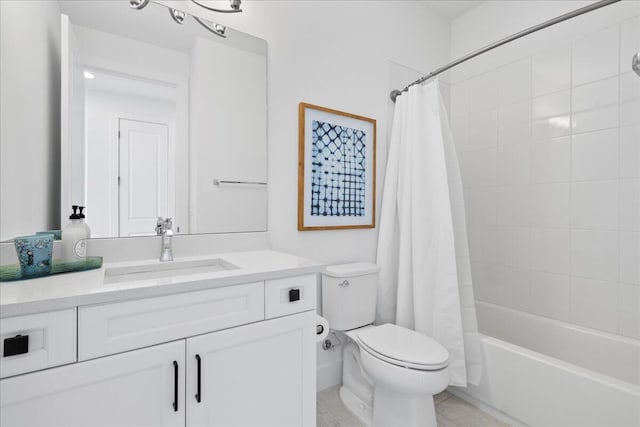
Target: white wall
{"x":228,"y":125}
{"x":29,"y":117}
{"x":334,"y":55}
{"x":547,"y":130}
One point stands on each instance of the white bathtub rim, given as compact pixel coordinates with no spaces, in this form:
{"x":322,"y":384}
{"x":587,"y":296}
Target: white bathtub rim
{"x":564,"y":324}
{"x":565,"y":366}
{"x":625,"y":349}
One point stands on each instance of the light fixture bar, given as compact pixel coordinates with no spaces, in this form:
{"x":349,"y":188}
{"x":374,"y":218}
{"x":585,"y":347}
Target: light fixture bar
{"x":235,"y":7}
{"x":216,"y":29}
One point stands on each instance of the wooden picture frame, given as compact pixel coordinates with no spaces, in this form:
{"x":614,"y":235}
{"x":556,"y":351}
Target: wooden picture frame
{"x":336,"y":169}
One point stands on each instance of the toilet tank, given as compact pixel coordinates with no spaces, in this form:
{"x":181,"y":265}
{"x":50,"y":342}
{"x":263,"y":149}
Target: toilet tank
{"x":349,"y":295}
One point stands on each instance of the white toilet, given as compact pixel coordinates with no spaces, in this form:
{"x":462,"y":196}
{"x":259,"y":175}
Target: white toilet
{"x":389,"y":373}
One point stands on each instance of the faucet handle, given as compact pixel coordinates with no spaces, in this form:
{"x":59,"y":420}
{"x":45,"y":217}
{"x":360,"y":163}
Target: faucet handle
{"x":163,"y":225}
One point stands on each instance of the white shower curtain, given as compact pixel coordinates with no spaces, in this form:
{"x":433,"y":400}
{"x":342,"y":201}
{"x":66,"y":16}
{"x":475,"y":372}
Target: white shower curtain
{"x":425,"y":278}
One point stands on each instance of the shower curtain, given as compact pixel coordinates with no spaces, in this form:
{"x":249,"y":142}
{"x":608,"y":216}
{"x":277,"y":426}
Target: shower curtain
{"x":425,"y":277}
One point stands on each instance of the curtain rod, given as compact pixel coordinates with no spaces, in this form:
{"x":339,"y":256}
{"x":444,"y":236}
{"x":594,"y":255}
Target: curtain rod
{"x":395,"y":93}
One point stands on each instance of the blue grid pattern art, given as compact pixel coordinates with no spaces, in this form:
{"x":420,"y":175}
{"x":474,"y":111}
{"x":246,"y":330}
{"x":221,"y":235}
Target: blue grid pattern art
{"x":338,"y":170}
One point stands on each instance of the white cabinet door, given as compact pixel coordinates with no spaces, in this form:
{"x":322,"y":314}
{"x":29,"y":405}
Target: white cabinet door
{"x":137,"y":388}
{"x":261,"y":374}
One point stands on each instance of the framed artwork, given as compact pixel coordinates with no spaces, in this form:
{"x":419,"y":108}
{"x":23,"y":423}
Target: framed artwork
{"x":336,"y":169}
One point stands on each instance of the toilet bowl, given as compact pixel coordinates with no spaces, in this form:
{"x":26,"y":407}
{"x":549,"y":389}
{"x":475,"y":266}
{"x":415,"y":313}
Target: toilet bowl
{"x":390,"y":373}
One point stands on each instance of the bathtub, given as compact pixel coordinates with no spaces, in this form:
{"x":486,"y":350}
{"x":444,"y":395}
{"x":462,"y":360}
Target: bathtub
{"x":543,"y":372}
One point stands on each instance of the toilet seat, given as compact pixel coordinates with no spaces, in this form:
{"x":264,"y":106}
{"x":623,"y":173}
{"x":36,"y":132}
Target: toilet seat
{"x":403,"y":347}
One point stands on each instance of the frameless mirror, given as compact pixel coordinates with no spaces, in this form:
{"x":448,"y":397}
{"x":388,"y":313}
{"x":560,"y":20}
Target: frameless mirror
{"x":161,"y":118}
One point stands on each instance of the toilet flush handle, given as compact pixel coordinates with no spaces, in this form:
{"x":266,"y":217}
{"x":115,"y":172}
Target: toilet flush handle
{"x":344,"y":284}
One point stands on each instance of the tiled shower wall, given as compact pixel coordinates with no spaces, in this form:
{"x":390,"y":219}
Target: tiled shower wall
{"x":549,"y":149}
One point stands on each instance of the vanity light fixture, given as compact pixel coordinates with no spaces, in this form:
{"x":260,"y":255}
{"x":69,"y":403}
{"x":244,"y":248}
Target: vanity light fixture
{"x":179,"y":16}
{"x":138,"y":4}
{"x":234,"y":4}
{"x":216,"y":29}
{"x":88,"y":75}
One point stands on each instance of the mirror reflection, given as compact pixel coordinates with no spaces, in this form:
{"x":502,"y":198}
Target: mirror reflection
{"x":161,"y":120}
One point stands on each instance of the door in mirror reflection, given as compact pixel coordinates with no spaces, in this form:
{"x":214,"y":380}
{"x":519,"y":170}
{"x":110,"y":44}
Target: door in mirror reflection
{"x":144,"y":176}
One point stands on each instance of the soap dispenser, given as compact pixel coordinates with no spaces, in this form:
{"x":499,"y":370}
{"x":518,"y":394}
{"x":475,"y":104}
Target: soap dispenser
{"x":75,"y":235}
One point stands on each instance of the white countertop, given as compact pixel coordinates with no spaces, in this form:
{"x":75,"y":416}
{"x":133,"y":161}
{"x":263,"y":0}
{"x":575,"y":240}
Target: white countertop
{"x":69,"y":290}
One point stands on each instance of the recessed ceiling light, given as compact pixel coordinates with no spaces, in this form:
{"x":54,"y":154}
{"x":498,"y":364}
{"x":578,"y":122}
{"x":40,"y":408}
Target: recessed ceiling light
{"x":89,"y":75}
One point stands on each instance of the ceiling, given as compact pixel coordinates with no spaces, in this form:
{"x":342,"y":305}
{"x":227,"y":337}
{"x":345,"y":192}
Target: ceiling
{"x":451,"y":9}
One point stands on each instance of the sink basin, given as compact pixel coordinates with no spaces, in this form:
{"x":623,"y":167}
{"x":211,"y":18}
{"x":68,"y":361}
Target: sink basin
{"x":165,"y":269}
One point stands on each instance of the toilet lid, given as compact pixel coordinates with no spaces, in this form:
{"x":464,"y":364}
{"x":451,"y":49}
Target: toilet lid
{"x":404,"y":347}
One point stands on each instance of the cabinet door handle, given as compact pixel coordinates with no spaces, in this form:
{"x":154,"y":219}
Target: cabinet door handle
{"x":175,"y":386}
{"x":199,"y":393}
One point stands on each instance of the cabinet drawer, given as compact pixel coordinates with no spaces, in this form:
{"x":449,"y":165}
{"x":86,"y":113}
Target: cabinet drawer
{"x":290,"y":295}
{"x":46,"y":340}
{"x":113,"y":328}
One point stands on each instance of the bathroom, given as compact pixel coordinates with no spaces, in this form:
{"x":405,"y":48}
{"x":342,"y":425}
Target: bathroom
{"x":546,"y":130}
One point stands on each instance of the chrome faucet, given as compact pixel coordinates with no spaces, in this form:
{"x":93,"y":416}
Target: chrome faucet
{"x":164,"y":228}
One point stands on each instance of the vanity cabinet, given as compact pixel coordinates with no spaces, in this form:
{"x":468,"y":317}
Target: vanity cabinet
{"x":137,"y":388}
{"x":210,"y":358}
{"x":257,"y":375}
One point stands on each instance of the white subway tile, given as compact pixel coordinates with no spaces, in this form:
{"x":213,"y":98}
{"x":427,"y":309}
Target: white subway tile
{"x":514,"y":82}
{"x":478,"y":168}
{"x":482,"y":244}
{"x":551,"y":295}
{"x":483,"y":129}
{"x":630,"y":310}
{"x":514,"y":205}
{"x":600,"y":118}
{"x":595,"y":56}
{"x":629,"y":42}
{"x":595,"y":95}
{"x":514,"y":164}
{"x":459,"y":100}
{"x":514,"y":246}
{"x":594,"y":303}
{"x":552,"y":105}
{"x":551,"y":71}
{"x":630,"y":204}
{"x":594,"y":205}
{"x":630,"y":257}
{"x":514,"y":287}
{"x":481,"y":205}
{"x":460,"y":133}
{"x":595,"y":155}
{"x":630,"y":151}
{"x":550,"y":205}
{"x":483,"y":92}
{"x":485,"y":282}
{"x":514,"y":133}
{"x":629,"y":86}
{"x":630,"y":112}
{"x":551,"y":250}
{"x":551,"y":160}
{"x":629,"y":99}
{"x":594,"y":254}
{"x":553,"y":127}
{"x":520,"y":112}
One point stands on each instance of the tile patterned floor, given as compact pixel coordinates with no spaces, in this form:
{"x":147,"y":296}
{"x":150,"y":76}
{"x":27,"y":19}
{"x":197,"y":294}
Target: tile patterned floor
{"x":451,"y":411}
